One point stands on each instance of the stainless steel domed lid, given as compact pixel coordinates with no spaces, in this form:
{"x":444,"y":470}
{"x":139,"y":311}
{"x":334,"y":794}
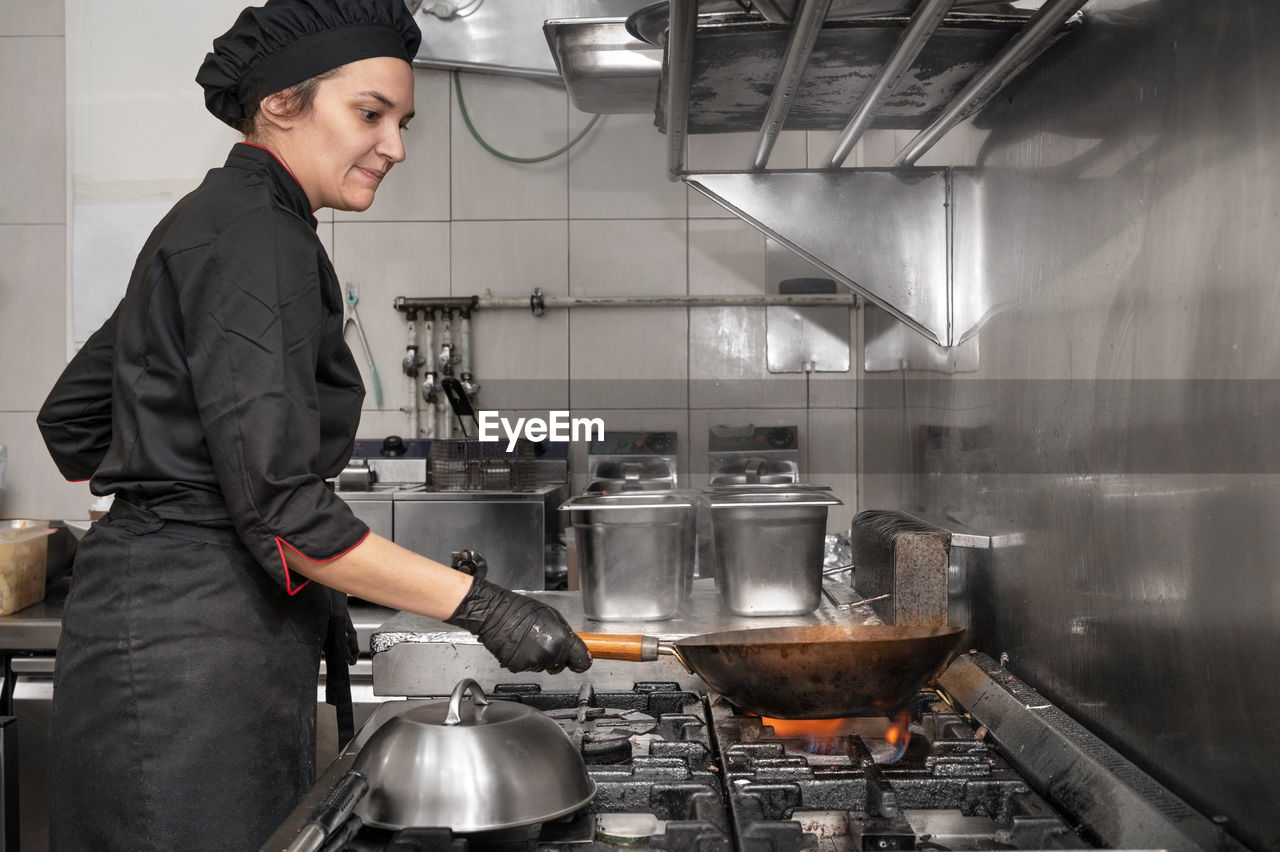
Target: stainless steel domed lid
{"x":476,"y":765}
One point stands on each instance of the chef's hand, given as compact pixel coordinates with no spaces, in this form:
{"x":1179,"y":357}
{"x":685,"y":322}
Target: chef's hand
{"x":522,"y":633}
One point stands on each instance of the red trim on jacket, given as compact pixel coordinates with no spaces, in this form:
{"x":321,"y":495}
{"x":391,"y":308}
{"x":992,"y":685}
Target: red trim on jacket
{"x":281,"y":544}
{"x":86,"y":479}
{"x":278,"y":160}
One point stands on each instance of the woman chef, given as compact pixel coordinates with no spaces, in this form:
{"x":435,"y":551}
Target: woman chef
{"x":213,"y":404}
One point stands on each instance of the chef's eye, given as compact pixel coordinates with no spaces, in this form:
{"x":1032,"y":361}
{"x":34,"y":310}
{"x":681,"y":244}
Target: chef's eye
{"x":369,"y":115}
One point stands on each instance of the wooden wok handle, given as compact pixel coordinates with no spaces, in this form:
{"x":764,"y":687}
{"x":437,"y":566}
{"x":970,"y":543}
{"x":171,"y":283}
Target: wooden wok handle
{"x":628,"y":647}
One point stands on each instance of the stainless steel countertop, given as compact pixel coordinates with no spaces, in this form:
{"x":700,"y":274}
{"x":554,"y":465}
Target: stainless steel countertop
{"x":39,"y":626}
{"x":419,"y":492}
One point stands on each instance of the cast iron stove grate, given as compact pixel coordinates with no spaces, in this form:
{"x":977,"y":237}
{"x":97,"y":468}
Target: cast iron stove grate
{"x":649,"y":751}
{"x":683,"y":772}
{"x":944,"y":789}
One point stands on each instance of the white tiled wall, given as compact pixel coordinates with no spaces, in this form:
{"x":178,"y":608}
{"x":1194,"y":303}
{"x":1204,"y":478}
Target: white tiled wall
{"x":31,"y":68}
{"x":31,"y":18}
{"x":617,"y":171}
{"x":603,"y":220}
{"x":519,"y":118}
{"x":33,"y":294}
{"x":522,"y":360}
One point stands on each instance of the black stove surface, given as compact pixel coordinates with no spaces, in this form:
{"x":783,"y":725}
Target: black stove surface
{"x":649,"y":751}
{"x":676,"y":771}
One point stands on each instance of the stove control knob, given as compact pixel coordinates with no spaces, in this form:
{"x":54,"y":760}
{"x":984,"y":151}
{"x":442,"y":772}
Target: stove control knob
{"x":393,"y":446}
{"x":659,"y":442}
{"x":782,"y":438}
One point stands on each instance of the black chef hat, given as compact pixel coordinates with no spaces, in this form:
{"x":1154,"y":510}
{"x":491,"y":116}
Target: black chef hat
{"x":284,"y":42}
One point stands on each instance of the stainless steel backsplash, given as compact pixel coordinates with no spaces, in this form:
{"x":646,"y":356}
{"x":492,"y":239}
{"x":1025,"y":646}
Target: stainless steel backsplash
{"x":1115,"y":421}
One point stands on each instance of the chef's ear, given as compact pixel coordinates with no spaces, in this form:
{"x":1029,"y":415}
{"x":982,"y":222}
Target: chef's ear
{"x":277,"y":111}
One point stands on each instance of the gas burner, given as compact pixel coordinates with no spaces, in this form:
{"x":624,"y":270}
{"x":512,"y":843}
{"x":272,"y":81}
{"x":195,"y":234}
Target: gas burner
{"x":603,"y":734}
{"x":628,"y":829}
{"x":941,"y":788}
{"x":603,"y":724}
{"x":677,"y":772}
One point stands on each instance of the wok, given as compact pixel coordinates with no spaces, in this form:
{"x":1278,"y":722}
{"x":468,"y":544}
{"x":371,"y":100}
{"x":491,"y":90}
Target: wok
{"x":814,"y":672}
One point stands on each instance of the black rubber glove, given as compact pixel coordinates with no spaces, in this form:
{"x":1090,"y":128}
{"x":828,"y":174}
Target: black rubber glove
{"x":522,"y":633}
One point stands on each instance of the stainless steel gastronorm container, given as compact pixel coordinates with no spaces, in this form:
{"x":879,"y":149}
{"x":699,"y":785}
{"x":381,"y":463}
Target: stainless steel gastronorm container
{"x":768,"y":546}
{"x":635,"y":553}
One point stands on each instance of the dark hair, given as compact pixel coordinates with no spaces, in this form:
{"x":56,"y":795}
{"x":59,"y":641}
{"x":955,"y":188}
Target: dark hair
{"x":298,"y":100}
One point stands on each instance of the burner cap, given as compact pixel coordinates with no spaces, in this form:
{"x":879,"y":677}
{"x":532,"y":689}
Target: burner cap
{"x":604,"y":724}
{"x":627,"y":829}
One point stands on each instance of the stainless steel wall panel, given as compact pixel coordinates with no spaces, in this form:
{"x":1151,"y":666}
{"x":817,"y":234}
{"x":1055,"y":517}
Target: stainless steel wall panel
{"x":1117,"y":435}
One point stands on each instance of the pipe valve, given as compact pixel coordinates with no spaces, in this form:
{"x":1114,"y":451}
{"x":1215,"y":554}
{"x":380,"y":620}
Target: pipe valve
{"x":469,"y":386}
{"x":412,"y":362}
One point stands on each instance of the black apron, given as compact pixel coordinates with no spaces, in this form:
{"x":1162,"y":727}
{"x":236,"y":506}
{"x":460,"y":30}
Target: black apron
{"x":184,"y":710}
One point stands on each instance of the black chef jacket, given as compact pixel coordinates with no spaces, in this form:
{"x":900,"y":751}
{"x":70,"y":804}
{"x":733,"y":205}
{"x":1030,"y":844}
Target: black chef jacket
{"x":223,"y":375}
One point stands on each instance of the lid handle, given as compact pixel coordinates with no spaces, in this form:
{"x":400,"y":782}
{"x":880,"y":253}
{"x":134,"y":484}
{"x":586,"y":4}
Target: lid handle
{"x":454,"y":716}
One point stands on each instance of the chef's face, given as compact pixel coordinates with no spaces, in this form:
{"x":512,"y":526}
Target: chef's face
{"x":342,"y":148}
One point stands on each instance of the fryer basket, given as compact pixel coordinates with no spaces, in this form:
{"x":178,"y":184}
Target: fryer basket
{"x":469,"y":464}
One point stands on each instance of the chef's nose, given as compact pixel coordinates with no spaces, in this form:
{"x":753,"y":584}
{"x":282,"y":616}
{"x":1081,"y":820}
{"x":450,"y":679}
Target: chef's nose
{"x":391,"y":145}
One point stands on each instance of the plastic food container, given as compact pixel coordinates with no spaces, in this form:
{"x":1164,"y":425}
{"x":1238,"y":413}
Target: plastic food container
{"x":24,"y":550}
{"x":635,"y":553}
{"x":769,"y":548}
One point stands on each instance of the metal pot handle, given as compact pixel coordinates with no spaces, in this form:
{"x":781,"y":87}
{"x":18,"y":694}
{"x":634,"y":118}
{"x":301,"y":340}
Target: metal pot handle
{"x":454,"y":716}
{"x":470,"y":562}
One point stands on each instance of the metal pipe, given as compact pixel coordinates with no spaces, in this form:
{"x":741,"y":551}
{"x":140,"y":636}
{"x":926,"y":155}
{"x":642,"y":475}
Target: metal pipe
{"x":1011,"y":60}
{"x":804,"y":33}
{"x":445,"y":363}
{"x":446,"y":357}
{"x":927,"y":17}
{"x":444,"y":427}
{"x":542,"y":302}
{"x":682,"y":27}
{"x":429,"y":381}
{"x":771,"y":11}
{"x":412,"y":363}
{"x":469,"y":386}
{"x":464,"y":344}
{"x":1097,"y":785}
{"x":425,"y":303}
{"x":799,"y":300}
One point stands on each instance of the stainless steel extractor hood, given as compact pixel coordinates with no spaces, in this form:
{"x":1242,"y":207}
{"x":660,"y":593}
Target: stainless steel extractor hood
{"x":501,"y":36}
{"x":894,"y":234}
{"x":613,"y":65}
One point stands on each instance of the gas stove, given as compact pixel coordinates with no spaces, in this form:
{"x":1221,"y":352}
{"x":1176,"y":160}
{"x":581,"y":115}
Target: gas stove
{"x":684,"y":771}
{"x":979,"y":760}
{"x":923,"y":780}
